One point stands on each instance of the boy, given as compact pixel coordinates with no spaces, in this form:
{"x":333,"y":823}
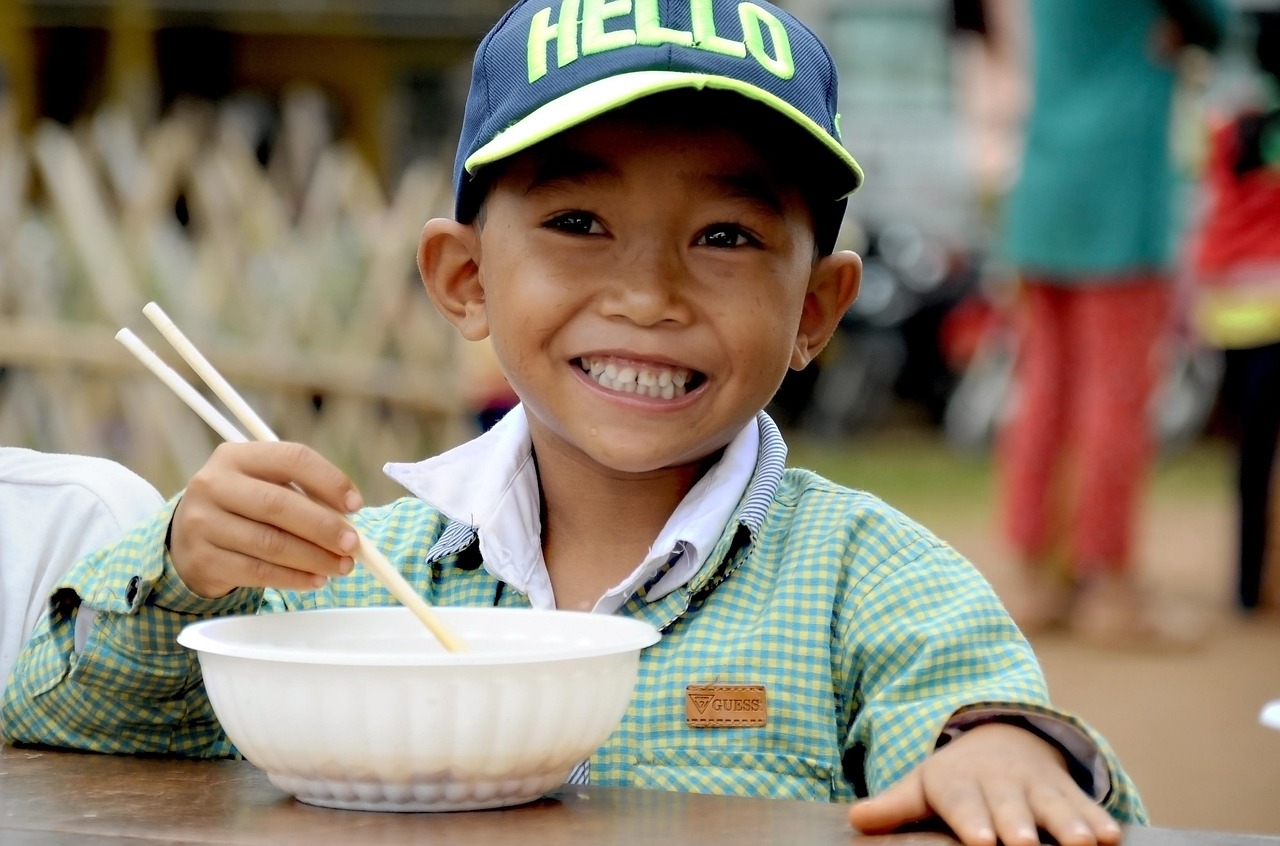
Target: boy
{"x":647,"y":197}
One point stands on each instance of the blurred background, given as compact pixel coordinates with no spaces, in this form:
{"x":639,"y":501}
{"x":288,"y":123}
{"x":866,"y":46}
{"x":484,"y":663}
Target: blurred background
{"x":262,"y":169}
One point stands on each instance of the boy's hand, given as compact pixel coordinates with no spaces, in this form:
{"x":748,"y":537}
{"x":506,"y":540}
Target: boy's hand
{"x":241,"y":524}
{"x":992,"y":781}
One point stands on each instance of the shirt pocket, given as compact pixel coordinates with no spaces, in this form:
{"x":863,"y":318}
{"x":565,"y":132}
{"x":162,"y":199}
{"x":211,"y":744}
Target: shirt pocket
{"x":734,"y":772}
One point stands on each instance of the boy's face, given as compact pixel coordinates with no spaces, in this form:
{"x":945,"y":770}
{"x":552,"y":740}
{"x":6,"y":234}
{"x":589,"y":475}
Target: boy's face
{"x":645,"y":288}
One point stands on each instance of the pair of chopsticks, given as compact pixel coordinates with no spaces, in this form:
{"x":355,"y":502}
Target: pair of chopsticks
{"x":366,"y":553}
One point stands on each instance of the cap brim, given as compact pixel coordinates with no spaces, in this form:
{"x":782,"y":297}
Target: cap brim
{"x":597,"y":98}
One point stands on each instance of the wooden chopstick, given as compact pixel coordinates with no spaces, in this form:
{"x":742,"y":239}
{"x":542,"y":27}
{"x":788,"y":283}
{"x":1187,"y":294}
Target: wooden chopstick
{"x":193,"y":398}
{"x":221,"y":388}
{"x":366,"y":552}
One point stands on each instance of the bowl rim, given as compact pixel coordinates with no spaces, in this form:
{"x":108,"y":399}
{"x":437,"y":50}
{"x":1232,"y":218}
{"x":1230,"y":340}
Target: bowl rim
{"x":202,"y":637}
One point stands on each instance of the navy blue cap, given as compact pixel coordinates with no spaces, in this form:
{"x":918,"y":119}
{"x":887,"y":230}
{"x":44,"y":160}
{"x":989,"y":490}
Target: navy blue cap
{"x":549,"y":65}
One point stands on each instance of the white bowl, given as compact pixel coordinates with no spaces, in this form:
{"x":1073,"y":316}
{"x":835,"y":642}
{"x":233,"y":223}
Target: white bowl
{"x":362,"y":708}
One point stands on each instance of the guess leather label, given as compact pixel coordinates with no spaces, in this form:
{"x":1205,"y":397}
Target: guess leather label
{"x":725,"y":706}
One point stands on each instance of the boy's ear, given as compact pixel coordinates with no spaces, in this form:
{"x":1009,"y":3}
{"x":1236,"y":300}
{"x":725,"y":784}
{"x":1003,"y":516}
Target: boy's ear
{"x":833,"y":286}
{"x":449,"y":262}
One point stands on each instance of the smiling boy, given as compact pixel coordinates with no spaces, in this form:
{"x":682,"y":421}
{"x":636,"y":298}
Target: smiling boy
{"x":647,"y":200}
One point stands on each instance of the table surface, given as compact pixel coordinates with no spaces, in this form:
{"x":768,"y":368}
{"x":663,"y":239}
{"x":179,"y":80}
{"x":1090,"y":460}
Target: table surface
{"x":55,"y":797}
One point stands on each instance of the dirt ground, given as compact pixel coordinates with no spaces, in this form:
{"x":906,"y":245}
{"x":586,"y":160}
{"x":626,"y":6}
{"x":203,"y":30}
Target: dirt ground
{"x":1185,"y":725}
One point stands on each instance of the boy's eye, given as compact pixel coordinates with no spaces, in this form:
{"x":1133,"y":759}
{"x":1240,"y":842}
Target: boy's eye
{"x":726,"y":235}
{"x":577,"y":222}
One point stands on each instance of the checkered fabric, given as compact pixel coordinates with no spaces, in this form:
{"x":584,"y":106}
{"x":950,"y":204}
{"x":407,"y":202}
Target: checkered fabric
{"x":866,"y":631}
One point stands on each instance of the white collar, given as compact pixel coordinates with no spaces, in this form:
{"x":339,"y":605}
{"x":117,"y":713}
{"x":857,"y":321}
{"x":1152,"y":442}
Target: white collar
{"x":491,"y":484}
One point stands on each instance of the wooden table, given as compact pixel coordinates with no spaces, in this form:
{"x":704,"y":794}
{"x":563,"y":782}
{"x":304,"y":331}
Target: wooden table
{"x":50,"y":797}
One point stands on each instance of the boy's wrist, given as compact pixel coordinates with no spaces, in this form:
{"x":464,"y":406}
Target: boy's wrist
{"x":170,"y":593}
{"x":1085,"y":761}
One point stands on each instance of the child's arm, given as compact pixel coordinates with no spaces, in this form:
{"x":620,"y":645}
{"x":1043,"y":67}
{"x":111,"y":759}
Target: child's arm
{"x":131,"y":687}
{"x":931,"y":648}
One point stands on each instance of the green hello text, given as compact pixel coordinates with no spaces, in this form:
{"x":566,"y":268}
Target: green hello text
{"x":579,"y":30}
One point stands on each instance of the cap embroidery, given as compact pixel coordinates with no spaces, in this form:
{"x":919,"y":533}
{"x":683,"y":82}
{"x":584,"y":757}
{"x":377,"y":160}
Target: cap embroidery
{"x":765,"y":38}
{"x":704,"y":32}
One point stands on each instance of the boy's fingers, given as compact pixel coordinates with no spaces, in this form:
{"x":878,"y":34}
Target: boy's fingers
{"x":902,"y":803}
{"x":1074,"y":820}
{"x":245,"y":553}
{"x":246,"y":571}
{"x":1105,"y":827}
{"x":273,"y":505}
{"x":285,"y":463}
{"x":273,"y":545}
{"x":320,"y":478}
{"x":963,"y":807}
{"x":1011,"y":814}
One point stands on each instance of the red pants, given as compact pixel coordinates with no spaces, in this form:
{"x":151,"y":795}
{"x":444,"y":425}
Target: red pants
{"x":1074,"y":455}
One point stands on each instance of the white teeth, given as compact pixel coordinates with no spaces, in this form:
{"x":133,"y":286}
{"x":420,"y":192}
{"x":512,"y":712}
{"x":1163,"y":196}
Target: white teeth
{"x":667,"y":383}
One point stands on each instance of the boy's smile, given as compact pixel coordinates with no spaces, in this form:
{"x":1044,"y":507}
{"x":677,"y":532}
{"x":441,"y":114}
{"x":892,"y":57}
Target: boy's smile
{"x":641,"y":378}
{"x":645,"y":288}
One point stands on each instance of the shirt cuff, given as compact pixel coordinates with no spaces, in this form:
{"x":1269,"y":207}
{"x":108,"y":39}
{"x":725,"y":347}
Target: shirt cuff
{"x":1085,"y":759}
{"x":138,"y":573}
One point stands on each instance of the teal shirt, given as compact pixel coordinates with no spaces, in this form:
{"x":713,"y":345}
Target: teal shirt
{"x":1096,"y":193}
{"x":866,"y":631}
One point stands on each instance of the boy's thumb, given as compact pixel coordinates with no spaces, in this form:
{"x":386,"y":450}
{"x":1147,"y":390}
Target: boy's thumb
{"x":901,"y":804}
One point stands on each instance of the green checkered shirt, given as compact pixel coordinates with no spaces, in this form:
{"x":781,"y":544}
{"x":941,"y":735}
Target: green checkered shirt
{"x":866,"y":631}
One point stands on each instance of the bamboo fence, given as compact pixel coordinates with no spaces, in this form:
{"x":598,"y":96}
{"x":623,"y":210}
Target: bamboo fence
{"x":296,"y":279}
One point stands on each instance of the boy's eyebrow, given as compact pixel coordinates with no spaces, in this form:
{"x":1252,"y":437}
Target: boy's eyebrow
{"x":747,"y":185}
{"x":561,"y":164}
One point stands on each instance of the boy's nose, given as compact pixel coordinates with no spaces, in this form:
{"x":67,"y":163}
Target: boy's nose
{"x":648,"y":287}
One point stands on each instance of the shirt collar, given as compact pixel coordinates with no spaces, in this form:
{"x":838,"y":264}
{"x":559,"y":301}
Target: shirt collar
{"x":488,"y":489}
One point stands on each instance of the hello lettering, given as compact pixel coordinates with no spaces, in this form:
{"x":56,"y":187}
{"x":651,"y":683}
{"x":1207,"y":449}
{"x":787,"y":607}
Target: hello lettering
{"x":587,"y":27}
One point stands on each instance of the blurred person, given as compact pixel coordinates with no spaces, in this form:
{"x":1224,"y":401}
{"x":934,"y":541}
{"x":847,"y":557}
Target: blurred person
{"x":1088,"y":228}
{"x":1235,"y":257}
{"x":647,"y":203}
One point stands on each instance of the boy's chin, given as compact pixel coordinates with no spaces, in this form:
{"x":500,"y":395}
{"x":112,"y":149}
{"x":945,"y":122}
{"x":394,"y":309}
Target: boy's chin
{"x":624,"y":443}
{"x":629,"y":453}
